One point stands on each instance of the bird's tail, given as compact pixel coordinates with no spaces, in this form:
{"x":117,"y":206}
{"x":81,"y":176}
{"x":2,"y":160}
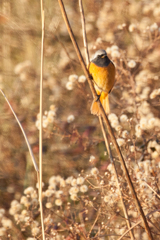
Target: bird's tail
{"x":105,"y":103}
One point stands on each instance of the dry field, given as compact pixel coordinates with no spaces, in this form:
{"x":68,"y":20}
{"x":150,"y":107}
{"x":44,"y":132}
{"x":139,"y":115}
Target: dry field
{"x":80,"y":195}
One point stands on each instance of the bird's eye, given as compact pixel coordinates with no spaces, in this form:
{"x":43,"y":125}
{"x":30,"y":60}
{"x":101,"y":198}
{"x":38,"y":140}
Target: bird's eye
{"x":103,"y":56}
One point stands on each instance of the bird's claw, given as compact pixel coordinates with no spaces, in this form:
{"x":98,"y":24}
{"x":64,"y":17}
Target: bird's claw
{"x":97,"y":98}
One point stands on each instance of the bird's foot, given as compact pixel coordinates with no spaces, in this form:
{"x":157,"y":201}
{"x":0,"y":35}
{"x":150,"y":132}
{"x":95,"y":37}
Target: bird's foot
{"x":97,"y":98}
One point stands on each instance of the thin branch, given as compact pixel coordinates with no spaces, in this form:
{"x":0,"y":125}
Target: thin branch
{"x":94,"y":223}
{"x":152,"y":189}
{"x":90,"y":82}
{"x":137,"y":223}
{"x":101,"y":121}
{"x":41,"y":121}
{"x":84,"y":32}
{"x":26,"y":139}
{"x":116,"y":177}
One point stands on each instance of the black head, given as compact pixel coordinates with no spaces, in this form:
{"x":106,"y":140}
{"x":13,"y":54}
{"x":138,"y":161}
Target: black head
{"x":100,"y":58}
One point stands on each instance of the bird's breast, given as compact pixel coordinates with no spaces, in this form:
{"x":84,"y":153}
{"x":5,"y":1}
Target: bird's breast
{"x":104,"y":77}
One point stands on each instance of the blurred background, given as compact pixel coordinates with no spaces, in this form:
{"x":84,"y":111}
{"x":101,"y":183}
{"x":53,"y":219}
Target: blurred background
{"x":128,"y":30}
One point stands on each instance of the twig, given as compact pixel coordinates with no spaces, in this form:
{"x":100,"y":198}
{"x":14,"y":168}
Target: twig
{"x":152,"y":189}
{"x":99,"y":210}
{"x":41,"y":121}
{"x":101,"y":122}
{"x":116,"y":177}
{"x":137,"y":223}
{"x":26,"y":139}
{"x":84,"y":32}
{"x":90,"y":82}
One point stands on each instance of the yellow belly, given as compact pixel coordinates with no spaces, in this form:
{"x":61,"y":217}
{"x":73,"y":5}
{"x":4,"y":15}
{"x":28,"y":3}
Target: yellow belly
{"x":104,"y":77}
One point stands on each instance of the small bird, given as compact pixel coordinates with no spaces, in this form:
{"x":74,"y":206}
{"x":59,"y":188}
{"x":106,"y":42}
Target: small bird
{"x":102,"y":70}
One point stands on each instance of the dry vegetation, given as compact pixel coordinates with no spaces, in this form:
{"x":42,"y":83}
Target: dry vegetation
{"x":80,"y":195}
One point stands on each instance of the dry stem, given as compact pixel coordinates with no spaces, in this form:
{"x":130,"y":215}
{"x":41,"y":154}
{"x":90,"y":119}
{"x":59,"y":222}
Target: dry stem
{"x":84,"y":32}
{"x":24,"y":134}
{"x":41,"y":119}
{"x":137,"y":224}
{"x":116,"y":177}
{"x":90,"y":82}
{"x":101,"y":122}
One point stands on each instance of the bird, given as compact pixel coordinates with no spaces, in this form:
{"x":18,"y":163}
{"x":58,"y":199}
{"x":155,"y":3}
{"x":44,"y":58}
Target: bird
{"x":102,"y":71}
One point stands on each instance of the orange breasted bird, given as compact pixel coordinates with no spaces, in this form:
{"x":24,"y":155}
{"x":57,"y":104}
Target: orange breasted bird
{"x":103,"y":72}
